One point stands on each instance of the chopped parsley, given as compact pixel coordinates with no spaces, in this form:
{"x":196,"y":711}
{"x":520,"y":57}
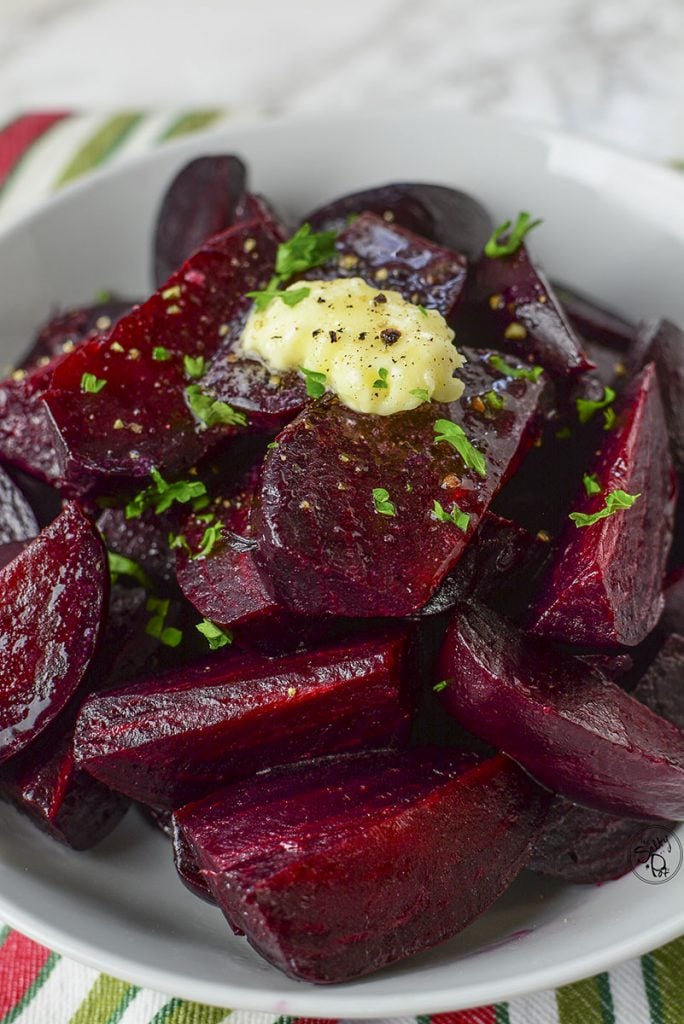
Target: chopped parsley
{"x":381,"y":382}
{"x":456,"y":517}
{"x":454,"y":434}
{"x":442,"y":685}
{"x":494,"y":401}
{"x":210,"y":537}
{"x":102,"y":297}
{"x":290,"y":298}
{"x":422,"y":309}
{"x":586,"y":407}
{"x":156,"y":626}
{"x":609,"y":418}
{"x":194,"y":366}
{"x":215,"y":636}
{"x":212,"y":411}
{"x":119,"y":565}
{"x":271,"y":445}
{"x":178,"y":541}
{"x":160,"y":354}
{"x":532,"y":373}
{"x":615,"y":501}
{"x":383,"y":505}
{"x":591,"y":484}
{"x":305,"y":250}
{"x":92,"y":385}
{"x":506,"y":240}
{"x":161,"y":495}
{"x":315,"y":382}
{"x":421,"y":394}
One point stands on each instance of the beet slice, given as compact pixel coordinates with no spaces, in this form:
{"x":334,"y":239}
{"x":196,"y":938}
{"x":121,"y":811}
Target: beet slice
{"x":593,"y":322}
{"x":604,"y":587}
{"x":200,"y":202}
{"x":510,"y":304}
{"x":54,"y":600}
{"x":140,"y":418}
{"x":374,"y":845}
{"x":145,"y":540}
{"x":436,"y":212}
{"x":176,"y":737}
{"x":661,"y":342}
{"x":17,"y":521}
{"x":322,"y":546}
{"x":564,"y":721}
{"x":189,"y":869}
{"x":26,"y":439}
{"x":65,"y":331}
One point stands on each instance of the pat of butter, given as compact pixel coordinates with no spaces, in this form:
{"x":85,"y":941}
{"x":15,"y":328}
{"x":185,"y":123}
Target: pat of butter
{"x":360,"y":338}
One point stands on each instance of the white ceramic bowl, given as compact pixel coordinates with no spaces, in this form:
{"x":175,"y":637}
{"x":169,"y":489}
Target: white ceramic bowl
{"x":615,"y":228}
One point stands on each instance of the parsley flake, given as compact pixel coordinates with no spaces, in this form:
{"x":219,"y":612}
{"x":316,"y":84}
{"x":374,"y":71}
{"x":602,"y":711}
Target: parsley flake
{"x":532,"y":373}
{"x":591,"y":484}
{"x":586,"y":407}
{"x":609,"y":418}
{"x":422,"y":309}
{"x":442,"y":685}
{"x":161,"y":495}
{"x":290,"y":297}
{"x":383,"y":505}
{"x":119,"y":565}
{"x":494,"y":401}
{"x":215,"y":636}
{"x":178,"y":541}
{"x":457,"y":517}
{"x":513,"y":237}
{"x":194,"y":366}
{"x":305,"y":250}
{"x":156,"y":627}
{"x":91,"y":385}
{"x":160,"y":354}
{"x":210,"y":537}
{"x":454,"y":434}
{"x":381,"y":382}
{"x":212,"y":411}
{"x":421,"y":394}
{"x":315,"y":382}
{"x":615,"y":501}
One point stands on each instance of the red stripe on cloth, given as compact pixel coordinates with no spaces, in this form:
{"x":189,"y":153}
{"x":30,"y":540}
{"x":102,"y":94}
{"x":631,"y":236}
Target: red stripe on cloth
{"x":481,"y":1015}
{"x":20,"y":135}
{"x":21,"y":961}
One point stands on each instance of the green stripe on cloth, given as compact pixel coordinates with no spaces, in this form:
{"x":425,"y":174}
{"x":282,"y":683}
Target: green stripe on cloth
{"x":668,"y":965}
{"x":652,"y":989}
{"x":4,"y":932}
{"x":501,"y":1013}
{"x":194,"y":121}
{"x":32,"y":990}
{"x":586,"y":1002}
{"x":105,"y":1003}
{"x":178,"y":1011}
{"x":108,"y":138}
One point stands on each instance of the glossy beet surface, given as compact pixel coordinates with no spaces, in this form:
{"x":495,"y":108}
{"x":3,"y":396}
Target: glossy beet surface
{"x":140,"y":418}
{"x":593,"y":322}
{"x":661,"y":342}
{"x":321,"y":864}
{"x":17,"y":521}
{"x":26,"y":436}
{"x":174,"y":738}
{"x":604,"y":587}
{"x":511,"y":305}
{"x":444,"y":215}
{"x":54,"y":601}
{"x":322,"y":545}
{"x":564,"y":721}
{"x":199,"y":202}
{"x":65,"y":331}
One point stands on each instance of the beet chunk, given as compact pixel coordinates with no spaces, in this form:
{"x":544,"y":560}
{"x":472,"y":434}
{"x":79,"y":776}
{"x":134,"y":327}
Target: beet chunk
{"x":199,"y":202}
{"x":375,"y":846}
{"x":54,"y":600}
{"x":604,"y":587}
{"x":594,"y":323}
{"x":443,"y":215}
{"x":188,"y":867}
{"x":323,"y":547}
{"x":64,"y":331}
{"x":661,"y":342}
{"x":511,"y":305}
{"x":25,"y":430}
{"x":176,"y":737}
{"x":17,"y":521}
{"x":564,"y":721}
{"x":140,"y":418}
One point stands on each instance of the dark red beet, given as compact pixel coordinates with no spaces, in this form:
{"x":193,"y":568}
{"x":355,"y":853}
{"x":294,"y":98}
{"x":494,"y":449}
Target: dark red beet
{"x":566,"y":723}
{"x":510,"y":304}
{"x":64,"y":331}
{"x":54,"y":601}
{"x":661,"y":342}
{"x":662,"y":687}
{"x":199,"y":202}
{"x":672,"y":619}
{"x":336,"y":868}
{"x":176,"y":737}
{"x":25,"y":430}
{"x":594,"y":323}
{"x":388,"y":256}
{"x":141,"y":419}
{"x":17,"y":521}
{"x":443,"y":215}
{"x":321,"y":544}
{"x":604,"y":586}
{"x":188,"y":867}
{"x":45,"y":501}
{"x":144,"y":539}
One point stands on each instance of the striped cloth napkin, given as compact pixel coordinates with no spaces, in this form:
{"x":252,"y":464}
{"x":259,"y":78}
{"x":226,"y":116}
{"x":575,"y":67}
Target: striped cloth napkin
{"x":38,"y":154}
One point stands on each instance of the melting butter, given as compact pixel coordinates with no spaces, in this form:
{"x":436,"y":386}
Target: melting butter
{"x":379,"y":353}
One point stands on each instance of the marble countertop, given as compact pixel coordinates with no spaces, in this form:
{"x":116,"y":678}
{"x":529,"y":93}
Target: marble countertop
{"x":612,"y":70}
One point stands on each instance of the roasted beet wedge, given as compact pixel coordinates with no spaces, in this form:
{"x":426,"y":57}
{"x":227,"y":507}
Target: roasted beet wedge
{"x":661,"y":342}
{"x":176,"y":737}
{"x":26,"y":439}
{"x":188,"y":867}
{"x":145,"y":540}
{"x":391,"y":257}
{"x":65,"y":331}
{"x":441,"y":214}
{"x":373,"y":845}
{"x":593,"y":322}
{"x":604,"y":587}
{"x":510,"y":304}
{"x":17,"y":521}
{"x":564,"y":721}
{"x":139,"y":418}
{"x":54,"y":601}
{"x":323,"y":547}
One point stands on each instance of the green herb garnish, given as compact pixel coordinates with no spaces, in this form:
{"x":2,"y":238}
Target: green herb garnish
{"x":215,"y":636}
{"x":271,"y":445}
{"x":156,"y":627}
{"x":381,"y":500}
{"x":513,"y":236}
{"x":92,"y":385}
{"x":455,"y":436}
{"x":161,"y":495}
{"x":422,"y":309}
{"x":315,"y":382}
{"x":102,"y":297}
{"x":210,"y":538}
{"x":212,"y":411}
{"x":586,"y":407}
{"x":421,"y":394}
{"x":442,"y":685}
{"x":194,"y":366}
{"x":591,"y":484}
{"x":494,"y":401}
{"x":119,"y":565}
{"x":532,"y":373}
{"x":381,"y":382}
{"x":615,"y":501}
{"x":306,"y":249}
{"x":456,"y":517}
{"x":160,"y":354}
{"x":564,"y":433}
{"x":290,"y":298}
{"x":609,"y":418}
{"x":178,"y":541}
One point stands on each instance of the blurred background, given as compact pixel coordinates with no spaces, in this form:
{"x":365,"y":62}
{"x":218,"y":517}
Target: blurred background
{"x":612,"y":70}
